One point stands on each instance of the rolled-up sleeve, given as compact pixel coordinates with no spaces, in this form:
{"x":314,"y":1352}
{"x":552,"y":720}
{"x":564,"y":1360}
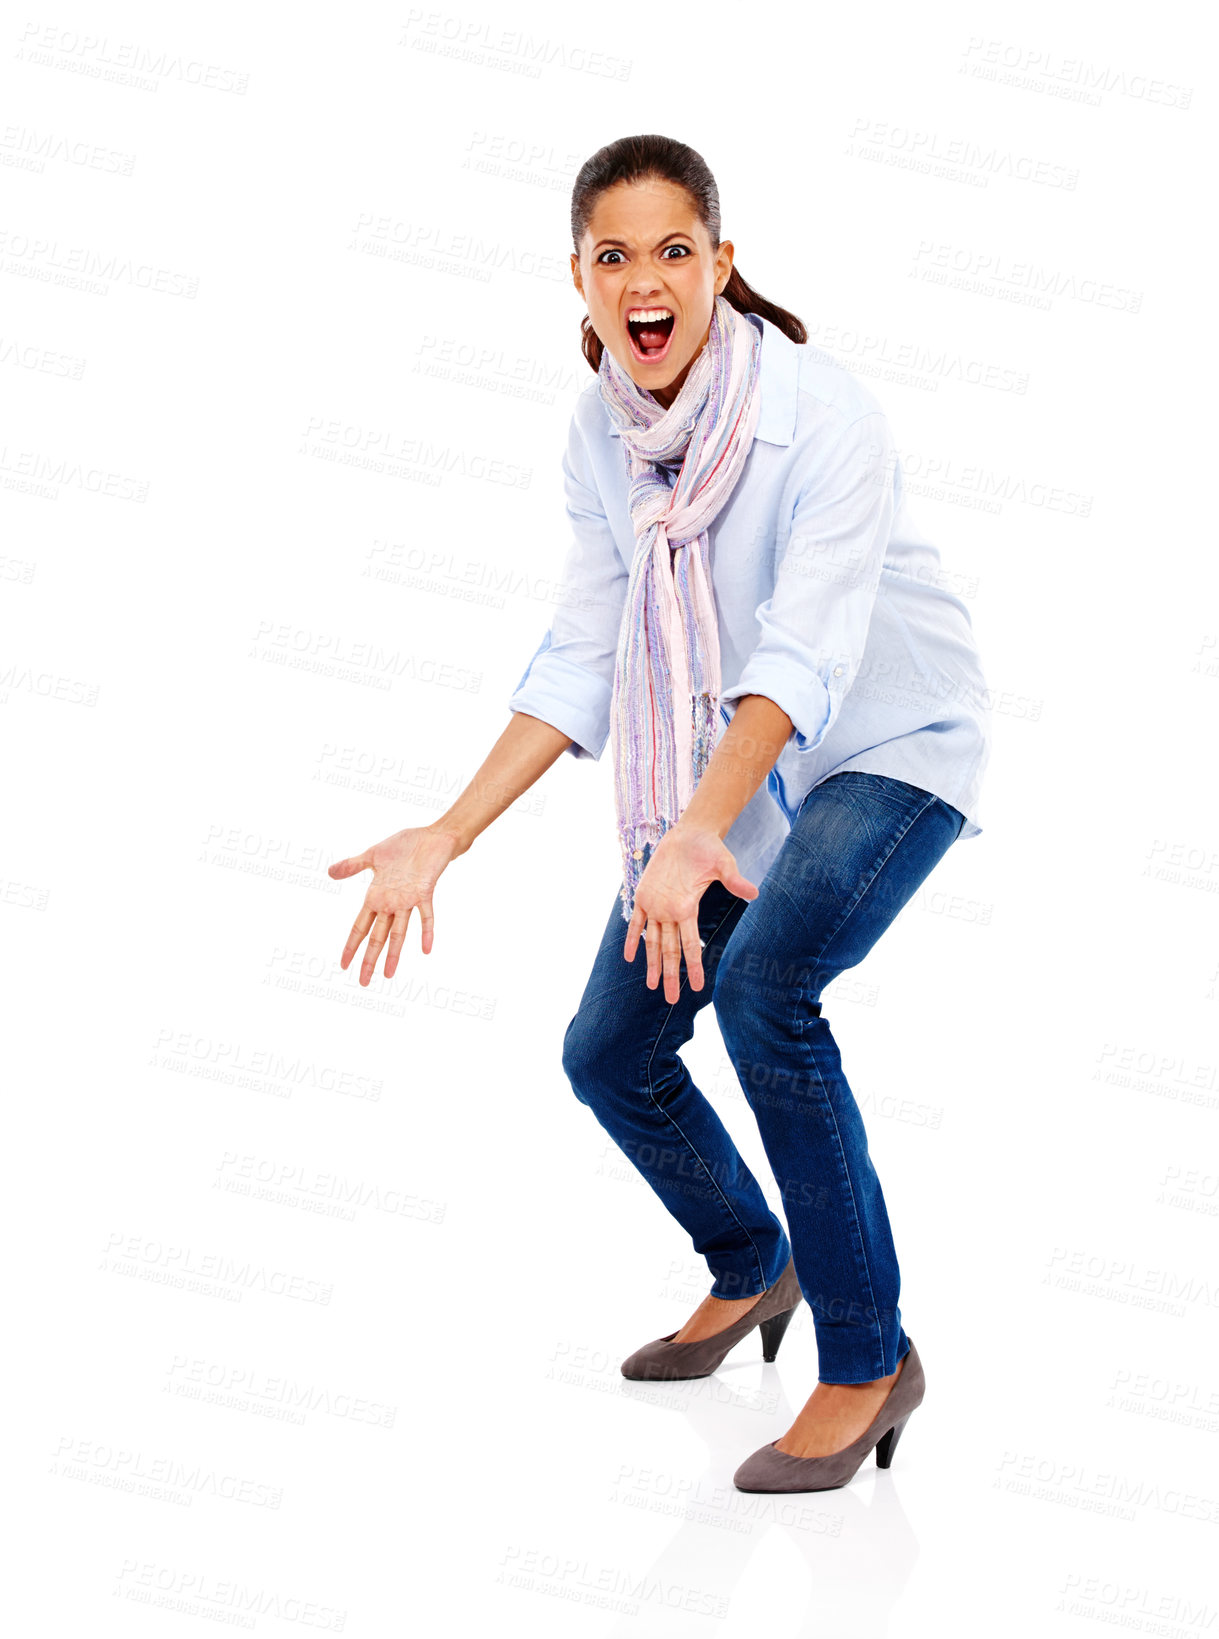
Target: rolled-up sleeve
{"x":569,"y":681}
{"x":814,"y":625}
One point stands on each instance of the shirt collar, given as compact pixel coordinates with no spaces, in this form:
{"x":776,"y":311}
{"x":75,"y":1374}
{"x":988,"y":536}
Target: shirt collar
{"x":780,"y":371}
{"x":778,"y":376}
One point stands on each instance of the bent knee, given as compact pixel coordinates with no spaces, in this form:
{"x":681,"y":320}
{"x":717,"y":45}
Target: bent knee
{"x":590,"y":1051}
{"x":577,"y":1054}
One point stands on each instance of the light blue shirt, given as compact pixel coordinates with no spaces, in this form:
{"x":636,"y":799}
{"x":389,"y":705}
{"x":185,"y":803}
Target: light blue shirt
{"x":831,"y":602}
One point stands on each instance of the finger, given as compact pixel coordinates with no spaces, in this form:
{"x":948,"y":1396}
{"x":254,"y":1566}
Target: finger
{"x":694,"y":952}
{"x":355,"y":938}
{"x":376,"y":943}
{"x":670,"y":949}
{"x":397,"y":937}
{"x":349,"y":867}
{"x":651,"y":938}
{"x":429,"y":924}
{"x":634,"y":929}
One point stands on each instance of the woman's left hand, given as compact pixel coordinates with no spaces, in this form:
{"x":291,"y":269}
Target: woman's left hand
{"x":683,"y":865}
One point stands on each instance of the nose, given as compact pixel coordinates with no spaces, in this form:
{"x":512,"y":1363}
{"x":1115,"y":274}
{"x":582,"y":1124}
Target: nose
{"x":645,"y":282}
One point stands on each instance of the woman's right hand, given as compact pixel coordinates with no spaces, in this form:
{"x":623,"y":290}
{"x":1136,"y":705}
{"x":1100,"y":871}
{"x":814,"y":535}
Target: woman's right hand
{"x":405,"y":869}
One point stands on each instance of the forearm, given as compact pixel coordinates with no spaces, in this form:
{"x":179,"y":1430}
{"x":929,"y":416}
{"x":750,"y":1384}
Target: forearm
{"x":521,"y":755}
{"x":748,"y":751}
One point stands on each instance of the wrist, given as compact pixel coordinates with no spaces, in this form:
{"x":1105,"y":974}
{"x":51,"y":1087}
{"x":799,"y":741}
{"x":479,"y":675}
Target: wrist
{"x":691,"y":825}
{"x":452,"y":833}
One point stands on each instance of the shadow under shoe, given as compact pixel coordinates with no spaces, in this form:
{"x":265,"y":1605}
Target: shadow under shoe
{"x":664,"y":1360}
{"x":770,"y":1469}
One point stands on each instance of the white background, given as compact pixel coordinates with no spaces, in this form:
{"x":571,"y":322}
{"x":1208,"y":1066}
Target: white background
{"x":288,"y":350}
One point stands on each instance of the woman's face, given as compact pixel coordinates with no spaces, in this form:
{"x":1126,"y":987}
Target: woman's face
{"x":646,"y":253}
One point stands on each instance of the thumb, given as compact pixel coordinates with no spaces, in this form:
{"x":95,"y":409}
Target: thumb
{"x":349,"y":867}
{"x":735,"y":883}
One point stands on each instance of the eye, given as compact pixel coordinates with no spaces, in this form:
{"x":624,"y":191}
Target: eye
{"x":682,"y":248}
{"x":606,"y":253}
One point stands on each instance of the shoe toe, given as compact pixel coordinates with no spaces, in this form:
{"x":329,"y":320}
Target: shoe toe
{"x":647,"y":1363}
{"x":757,"y":1472}
{"x":635,"y":1366}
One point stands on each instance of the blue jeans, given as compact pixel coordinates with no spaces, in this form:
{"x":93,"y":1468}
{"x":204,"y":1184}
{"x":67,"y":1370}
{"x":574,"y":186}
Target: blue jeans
{"x":860,"y":846}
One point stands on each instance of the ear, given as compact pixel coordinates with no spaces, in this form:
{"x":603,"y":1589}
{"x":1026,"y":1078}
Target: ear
{"x":723,"y":265}
{"x":575,"y":273}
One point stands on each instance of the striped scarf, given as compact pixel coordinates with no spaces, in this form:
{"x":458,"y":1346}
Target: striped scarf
{"x":665,"y":700}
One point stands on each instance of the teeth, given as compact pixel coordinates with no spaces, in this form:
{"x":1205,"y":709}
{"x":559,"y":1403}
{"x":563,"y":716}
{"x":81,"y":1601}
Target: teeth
{"x":648,"y":315}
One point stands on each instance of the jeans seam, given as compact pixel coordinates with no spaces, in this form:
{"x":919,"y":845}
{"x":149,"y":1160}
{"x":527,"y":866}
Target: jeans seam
{"x":798,"y":1032}
{"x":660,"y":1109}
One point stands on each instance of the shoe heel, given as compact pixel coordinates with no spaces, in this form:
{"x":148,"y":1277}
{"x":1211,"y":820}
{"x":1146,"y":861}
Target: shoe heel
{"x":772,"y":1331}
{"x":887,"y":1444}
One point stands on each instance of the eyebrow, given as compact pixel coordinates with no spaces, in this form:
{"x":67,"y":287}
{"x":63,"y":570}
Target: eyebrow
{"x":621,"y":244}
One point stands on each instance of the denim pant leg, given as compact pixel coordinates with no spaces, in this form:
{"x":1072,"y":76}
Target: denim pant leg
{"x":621,"y":1056}
{"x":860,"y":846}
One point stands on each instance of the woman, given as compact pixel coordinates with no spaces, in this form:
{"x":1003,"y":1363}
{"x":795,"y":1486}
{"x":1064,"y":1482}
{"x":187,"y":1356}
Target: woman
{"x":799,"y":731}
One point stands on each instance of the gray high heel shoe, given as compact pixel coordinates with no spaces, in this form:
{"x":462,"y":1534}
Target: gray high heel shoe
{"x":770,"y":1469}
{"x":665,"y":1360}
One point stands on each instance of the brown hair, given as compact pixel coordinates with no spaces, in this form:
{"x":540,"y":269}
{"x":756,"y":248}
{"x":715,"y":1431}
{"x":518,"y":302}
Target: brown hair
{"x":635,"y":159}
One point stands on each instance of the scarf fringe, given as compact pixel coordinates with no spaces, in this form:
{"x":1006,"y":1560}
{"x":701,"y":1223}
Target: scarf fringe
{"x":706,"y":710}
{"x":644,"y":834}
{"x":641,"y":836}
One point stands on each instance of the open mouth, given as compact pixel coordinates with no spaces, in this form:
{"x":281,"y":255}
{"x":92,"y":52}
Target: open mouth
{"x":651,"y":335}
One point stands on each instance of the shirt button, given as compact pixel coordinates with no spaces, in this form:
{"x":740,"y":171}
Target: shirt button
{"x":837,"y":671}
{"x":638,"y":854}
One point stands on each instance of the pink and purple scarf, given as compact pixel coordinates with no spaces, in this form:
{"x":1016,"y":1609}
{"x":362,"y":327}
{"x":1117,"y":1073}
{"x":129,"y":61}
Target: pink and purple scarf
{"x":665,"y":700}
